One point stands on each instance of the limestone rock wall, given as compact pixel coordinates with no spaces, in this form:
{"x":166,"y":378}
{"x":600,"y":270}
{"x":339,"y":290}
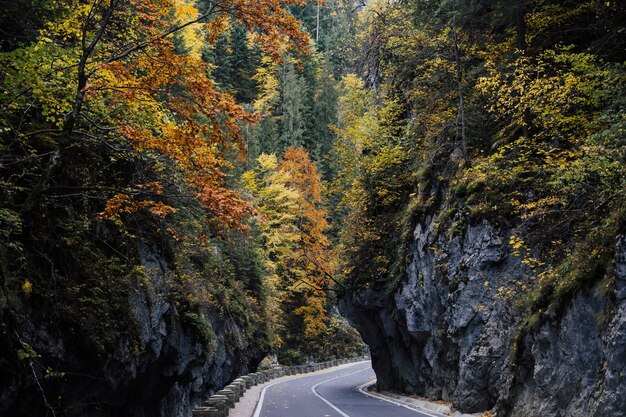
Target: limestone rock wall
{"x":165,"y":373}
{"x":447,"y":332}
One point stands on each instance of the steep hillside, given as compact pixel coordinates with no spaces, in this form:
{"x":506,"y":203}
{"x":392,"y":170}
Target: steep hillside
{"x":187,"y":186}
{"x":487,"y":199}
{"x":121,"y":334}
{"x":135,"y":279}
{"x":449,"y":331}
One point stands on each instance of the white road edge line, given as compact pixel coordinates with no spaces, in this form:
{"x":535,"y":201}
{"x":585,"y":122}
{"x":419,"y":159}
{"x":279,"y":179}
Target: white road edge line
{"x":259,"y":404}
{"x":361,"y":389}
{"x":331,"y":379}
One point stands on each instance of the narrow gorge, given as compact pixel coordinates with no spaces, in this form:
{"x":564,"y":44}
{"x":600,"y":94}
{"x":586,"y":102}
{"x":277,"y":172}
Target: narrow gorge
{"x":448,"y":332}
{"x":196,"y":190}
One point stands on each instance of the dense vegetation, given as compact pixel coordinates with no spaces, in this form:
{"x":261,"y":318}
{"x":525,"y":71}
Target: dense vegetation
{"x":509,"y":111}
{"x":275,"y":152}
{"x":124,"y":128}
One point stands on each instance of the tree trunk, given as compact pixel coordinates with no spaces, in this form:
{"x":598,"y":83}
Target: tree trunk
{"x":520,"y":26}
{"x":317,"y":26}
{"x":462,"y":131}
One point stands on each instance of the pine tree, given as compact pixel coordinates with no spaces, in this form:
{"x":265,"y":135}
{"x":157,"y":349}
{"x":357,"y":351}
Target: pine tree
{"x":323,"y":115}
{"x":234,"y":62}
{"x":292,"y":107}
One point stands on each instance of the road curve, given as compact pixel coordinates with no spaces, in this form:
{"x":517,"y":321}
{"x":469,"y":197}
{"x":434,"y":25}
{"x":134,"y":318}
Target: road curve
{"x":331,"y":394}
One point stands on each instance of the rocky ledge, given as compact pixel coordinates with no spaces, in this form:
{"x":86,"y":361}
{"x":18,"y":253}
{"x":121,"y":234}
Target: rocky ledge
{"x":448,"y":332}
{"x":172,"y":361}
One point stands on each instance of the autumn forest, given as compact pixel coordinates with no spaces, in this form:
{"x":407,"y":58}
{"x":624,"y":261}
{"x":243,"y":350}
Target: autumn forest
{"x":195,"y":185}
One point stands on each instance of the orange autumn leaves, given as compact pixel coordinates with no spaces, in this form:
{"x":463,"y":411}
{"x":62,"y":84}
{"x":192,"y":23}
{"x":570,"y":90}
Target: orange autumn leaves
{"x":298,"y":258}
{"x":157,"y":94}
{"x":195,"y":126}
{"x":135,"y":85}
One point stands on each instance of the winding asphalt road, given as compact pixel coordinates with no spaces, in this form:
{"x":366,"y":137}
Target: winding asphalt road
{"x":331,"y":394}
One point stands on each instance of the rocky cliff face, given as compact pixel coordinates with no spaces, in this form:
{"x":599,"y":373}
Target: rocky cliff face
{"x":171,"y":361}
{"x":576,"y":365}
{"x":447,"y":332}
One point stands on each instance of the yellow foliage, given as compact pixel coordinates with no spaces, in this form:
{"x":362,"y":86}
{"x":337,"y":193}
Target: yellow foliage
{"x":267,"y":79}
{"x":297,"y":255}
{"x":27,"y":287}
{"x":193,"y":36}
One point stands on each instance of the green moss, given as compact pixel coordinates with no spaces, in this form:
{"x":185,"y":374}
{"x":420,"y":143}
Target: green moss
{"x":606,"y":286}
{"x":409,"y":217}
{"x":589,"y":265}
{"x":459,"y":227}
{"x":201,"y":329}
{"x":534,"y":320}
{"x":461,"y":190}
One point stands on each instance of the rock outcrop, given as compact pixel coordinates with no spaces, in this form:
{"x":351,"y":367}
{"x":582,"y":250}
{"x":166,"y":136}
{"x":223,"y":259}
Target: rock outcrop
{"x":448,"y":331}
{"x":173,"y":359}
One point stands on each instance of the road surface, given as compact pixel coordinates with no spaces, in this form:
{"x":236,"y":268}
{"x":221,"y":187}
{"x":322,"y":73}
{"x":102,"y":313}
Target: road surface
{"x":331,"y":394}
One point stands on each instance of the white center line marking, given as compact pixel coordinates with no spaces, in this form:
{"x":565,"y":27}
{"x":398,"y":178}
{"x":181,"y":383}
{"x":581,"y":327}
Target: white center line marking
{"x":259,"y":405}
{"x":361,"y":389}
{"x":331,"y":379}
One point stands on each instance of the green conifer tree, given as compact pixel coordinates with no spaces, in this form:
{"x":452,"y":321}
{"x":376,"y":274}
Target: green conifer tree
{"x":292,"y":107}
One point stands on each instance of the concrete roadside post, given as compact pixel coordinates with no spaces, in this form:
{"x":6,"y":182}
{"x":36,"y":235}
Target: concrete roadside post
{"x":242,"y":384}
{"x":230,"y":395}
{"x":220,"y":402}
{"x":248,"y":380}
{"x":236,"y":389}
{"x":206,"y":412}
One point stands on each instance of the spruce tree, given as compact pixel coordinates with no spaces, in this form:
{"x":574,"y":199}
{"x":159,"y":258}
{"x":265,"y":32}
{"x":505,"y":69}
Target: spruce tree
{"x":292,"y":107}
